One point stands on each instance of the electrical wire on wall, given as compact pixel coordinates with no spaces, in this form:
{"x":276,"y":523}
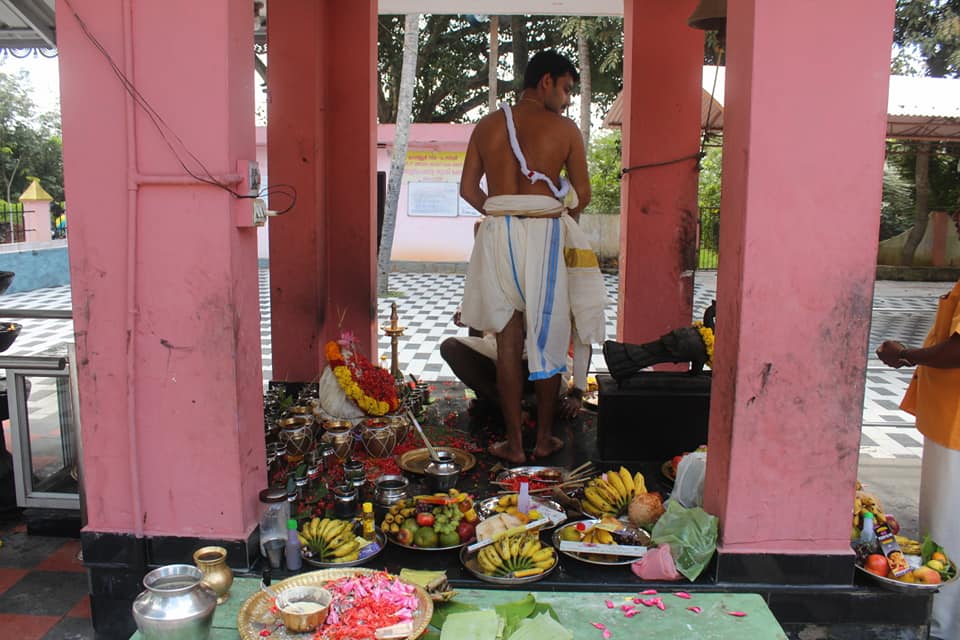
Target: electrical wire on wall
{"x":166,"y":132}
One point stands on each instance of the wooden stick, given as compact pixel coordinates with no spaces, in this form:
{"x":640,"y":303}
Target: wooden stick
{"x":588,"y":463}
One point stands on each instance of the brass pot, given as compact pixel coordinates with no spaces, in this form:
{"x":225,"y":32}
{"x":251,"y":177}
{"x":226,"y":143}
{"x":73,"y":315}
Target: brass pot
{"x":296,"y":432}
{"x":212,"y":562}
{"x":401,"y":425}
{"x":379,"y":437}
{"x":339,"y":435}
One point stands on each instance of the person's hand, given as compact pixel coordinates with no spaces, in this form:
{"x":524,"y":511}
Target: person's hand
{"x":890,"y":353}
{"x":570,"y":404}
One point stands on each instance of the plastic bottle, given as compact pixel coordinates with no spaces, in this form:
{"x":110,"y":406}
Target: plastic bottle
{"x":868,"y":535}
{"x":523,"y":499}
{"x":273,"y":524}
{"x":292,"y":552}
{"x":369,"y":524}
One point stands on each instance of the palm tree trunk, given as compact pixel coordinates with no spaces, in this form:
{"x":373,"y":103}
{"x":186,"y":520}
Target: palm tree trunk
{"x":408,"y":79}
{"x":586,"y":85}
{"x":920,"y":212}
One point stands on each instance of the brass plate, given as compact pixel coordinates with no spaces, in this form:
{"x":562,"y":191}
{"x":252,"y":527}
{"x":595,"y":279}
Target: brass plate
{"x":592,"y":558}
{"x":416,"y":460}
{"x":255,"y":615}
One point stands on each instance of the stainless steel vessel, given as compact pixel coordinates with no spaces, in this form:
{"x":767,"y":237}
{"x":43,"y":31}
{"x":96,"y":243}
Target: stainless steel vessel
{"x":176,"y":605}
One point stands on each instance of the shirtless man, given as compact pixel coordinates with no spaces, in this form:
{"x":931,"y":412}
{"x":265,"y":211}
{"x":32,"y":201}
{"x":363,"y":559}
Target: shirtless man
{"x":545,"y":143}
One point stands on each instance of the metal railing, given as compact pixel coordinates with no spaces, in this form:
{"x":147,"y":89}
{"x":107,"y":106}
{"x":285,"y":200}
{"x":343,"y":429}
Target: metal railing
{"x":11,"y":223}
{"x":709,"y":232}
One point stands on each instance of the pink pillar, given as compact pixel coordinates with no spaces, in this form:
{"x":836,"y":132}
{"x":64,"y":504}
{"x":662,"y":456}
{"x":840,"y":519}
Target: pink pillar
{"x":165,"y":295}
{"x":322,"y":141}
{"x":663,"y":58}
{"x":805,"y":118}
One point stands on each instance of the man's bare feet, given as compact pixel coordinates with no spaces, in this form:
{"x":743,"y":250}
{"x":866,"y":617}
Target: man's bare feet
{"x":502,"y":450}
{"x":544,"y":449}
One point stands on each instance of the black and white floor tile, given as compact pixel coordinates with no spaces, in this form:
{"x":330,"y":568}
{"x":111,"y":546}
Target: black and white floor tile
{"x":426,"y":303}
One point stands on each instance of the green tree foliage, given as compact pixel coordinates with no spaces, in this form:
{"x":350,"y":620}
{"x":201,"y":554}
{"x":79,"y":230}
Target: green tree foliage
{"x":898,"y":184}
{"x":604,"y":163}
{"x":896,"y":209}
{"x":452,"y":71}
{"x":928,"y":30}
{"x":30,"y":142}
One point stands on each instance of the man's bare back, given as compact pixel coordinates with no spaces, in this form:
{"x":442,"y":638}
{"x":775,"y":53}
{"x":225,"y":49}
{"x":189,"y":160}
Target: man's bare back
{"x":549,"y":141}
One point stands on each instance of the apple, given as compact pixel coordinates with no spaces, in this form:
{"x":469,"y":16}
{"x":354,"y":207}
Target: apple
{"x":876,"y":563}
{"x":926,"y":575}
{"x":466,"y":530}
{"x":893,"y":524}
{"x":425,"y":519}
{"x":405,"y":536}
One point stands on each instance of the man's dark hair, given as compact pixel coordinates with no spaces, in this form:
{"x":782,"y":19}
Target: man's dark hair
{"x":548,"y":62}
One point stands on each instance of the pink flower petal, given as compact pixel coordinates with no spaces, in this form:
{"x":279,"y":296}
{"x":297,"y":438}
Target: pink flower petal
{"x":631,"y":613}
{"x":694,"y":609}
{"x":648,"y":602}
{"x":625,"y":607}
{"x":683,"y":594}
{"x":599,"y":625}
{"x":606,"y":634}
{"x":609,"y":604}
{"x":660,"y":605}
{"x":637,"y":600}
{"x":736,"y":614}
{"x":649,"y":592}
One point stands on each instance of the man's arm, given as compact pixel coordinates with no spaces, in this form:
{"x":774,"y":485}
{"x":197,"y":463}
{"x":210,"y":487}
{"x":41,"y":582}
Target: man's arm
{"x":470,"y":176}
{"x":577,"y":169}
{"x":943,"y":355}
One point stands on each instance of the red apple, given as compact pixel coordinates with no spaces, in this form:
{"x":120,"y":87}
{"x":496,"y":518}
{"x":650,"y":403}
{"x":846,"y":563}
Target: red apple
{"x":465,"y":530}
{"x":926,"y":575}
{"x":893,"y":524}
{"x":425,"y":519}
{"x":405,"y":536}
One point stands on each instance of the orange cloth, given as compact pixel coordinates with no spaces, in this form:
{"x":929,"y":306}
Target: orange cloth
{"x":934,"y":394}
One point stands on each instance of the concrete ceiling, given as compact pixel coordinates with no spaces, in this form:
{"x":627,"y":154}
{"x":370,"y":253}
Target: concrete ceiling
{"x":27,"y":23}
{"x":506,"y":7}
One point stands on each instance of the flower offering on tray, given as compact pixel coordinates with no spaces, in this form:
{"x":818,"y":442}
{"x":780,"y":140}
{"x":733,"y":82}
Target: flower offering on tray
{"x":370,"y":387}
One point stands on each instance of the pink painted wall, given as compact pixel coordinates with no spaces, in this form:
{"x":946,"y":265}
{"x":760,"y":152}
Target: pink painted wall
{"x":423,"y":238}
{"x":36,"y":220}
{"x":165,"y":294}
{"x":802,"y":163}
{"x":659,"y":204}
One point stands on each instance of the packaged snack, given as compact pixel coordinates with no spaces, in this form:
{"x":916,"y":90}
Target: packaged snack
{"x":890,"y":548}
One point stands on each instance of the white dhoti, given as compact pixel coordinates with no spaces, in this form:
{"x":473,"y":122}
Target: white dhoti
{"x":542,"y":267}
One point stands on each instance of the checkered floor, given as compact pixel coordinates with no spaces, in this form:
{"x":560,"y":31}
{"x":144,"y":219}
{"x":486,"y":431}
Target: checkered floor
{"x":427,"y":302}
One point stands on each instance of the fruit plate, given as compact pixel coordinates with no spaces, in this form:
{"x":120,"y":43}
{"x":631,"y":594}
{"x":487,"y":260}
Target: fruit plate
{"x":553,"y":474}
{"x":256,"y":614}
{"x":469,"y":560}
{"x":416,"y":460}
{"x":487,"y":508}
{"x":592,"y":558}
{"x":381,"y":540}
{"x":903,"y":587}
{"x":410,"y":546}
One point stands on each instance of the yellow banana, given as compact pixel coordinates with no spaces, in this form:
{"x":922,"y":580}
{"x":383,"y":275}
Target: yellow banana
{"x":344,"y":549}
{"x":639,"y":484}
{"x":339,"y":527}
{"x":320,"y":528}
{"x":610,"y":494}
{"x":603,"y":536}
{"x":614,"y":480}
{"x":543,"y":554}
{"x":350,"y":557}
{"x":544,"y":564}
{"x":627,"y":480}
{"x":303,"y":541}
{"x":597,"y":500}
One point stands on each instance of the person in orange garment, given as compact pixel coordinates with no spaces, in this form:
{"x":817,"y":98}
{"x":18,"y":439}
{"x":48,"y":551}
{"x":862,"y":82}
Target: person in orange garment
{"x":934,"y":398}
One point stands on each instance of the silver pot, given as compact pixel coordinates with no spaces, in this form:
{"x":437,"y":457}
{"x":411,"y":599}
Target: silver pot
{"x":175,"y":605}
{"x":443,"y":475}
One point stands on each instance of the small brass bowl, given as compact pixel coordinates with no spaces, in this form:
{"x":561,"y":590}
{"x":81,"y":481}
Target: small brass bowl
{"x":303,"y":608}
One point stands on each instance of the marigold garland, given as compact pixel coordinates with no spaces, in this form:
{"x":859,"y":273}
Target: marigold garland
{"x":372,"y":388}
{"x":706,"y":334}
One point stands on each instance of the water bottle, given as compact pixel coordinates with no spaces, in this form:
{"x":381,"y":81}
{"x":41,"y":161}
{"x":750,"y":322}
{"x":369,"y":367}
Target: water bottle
{"x":292,"y":552}
{"x":868,"y":534}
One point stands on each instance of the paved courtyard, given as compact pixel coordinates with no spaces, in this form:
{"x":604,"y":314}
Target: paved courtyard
{"x":426,"y":301}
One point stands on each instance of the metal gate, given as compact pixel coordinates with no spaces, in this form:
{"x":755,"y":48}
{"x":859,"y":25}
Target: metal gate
{"x":708,"y":249}
{"x":11,"y":223}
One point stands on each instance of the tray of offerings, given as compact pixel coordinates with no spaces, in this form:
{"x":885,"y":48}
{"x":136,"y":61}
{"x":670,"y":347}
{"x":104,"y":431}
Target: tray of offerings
{"x":348,"y":610}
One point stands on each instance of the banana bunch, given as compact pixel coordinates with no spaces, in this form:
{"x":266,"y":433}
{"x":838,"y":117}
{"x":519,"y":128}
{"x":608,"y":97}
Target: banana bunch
{"x":330,"y":540}
{"x":395,"y":516}
{"x":598,"y":536}
{"x":517,"y":556}
{"x":611,"y":492}
{"x":908,"y":546}
{"x":508,"y":504}
{"x":862,"y":503}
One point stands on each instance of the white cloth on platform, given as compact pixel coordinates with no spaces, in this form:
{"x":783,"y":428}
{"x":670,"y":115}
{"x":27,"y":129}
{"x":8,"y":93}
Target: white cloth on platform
{"x":542,"y":267}
{"x":940,"y":517}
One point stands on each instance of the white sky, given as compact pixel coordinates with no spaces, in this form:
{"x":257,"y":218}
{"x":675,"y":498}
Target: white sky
{"x":44,"y":86}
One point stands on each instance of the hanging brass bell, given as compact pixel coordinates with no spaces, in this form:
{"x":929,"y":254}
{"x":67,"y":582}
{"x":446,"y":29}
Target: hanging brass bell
{"x":710,"y":15}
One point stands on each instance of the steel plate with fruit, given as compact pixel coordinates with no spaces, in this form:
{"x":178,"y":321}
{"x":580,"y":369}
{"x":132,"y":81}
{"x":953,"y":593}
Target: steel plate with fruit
{"x":929,"y":566}
{"x":540,"y":508}
{"x":437,"y":522}
{"x":331,"y":543}
{"x":510,"y":560}
{"x":607,"y":530}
